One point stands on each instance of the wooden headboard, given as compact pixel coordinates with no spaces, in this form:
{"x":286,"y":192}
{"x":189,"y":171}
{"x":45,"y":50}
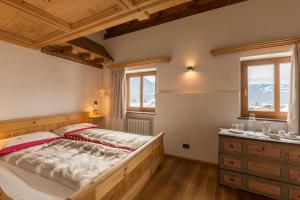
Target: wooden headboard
{"x":11,"y":128}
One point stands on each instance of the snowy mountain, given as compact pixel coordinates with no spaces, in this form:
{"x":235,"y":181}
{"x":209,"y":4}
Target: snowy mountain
{"x":261,"y":96}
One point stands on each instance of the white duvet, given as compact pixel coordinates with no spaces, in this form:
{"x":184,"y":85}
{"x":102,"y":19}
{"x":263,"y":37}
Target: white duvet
{"x":71,"y":163}
{"x":113,"y":138}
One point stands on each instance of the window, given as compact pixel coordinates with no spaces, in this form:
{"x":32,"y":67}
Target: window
{"x":141,"y":89}
{"x":265,"y":87}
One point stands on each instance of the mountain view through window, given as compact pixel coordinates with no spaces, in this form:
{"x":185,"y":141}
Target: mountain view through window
{"x":266,"y":87}
{"x":141,"y":91}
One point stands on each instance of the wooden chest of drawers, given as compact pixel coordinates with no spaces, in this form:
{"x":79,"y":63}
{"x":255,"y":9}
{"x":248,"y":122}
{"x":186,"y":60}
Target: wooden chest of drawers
{"x":264,"y":167}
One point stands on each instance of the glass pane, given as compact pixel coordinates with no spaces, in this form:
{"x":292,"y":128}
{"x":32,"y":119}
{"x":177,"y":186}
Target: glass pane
{"x":285,"y":74}
{"x":261,"y":88}
{"x":149,"y":92}
{"x":135,"y":92}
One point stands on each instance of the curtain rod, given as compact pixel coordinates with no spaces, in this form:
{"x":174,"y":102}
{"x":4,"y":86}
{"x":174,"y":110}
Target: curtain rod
{"x":149,"y":61}
{"x":254,"y":46}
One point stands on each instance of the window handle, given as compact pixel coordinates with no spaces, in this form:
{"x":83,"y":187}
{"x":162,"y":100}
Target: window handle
{"x":246,"y":92}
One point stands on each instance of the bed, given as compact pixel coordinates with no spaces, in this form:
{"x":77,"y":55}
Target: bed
{"x":122,"y":181}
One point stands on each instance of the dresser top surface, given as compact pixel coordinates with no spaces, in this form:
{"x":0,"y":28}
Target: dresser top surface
{"x":256,"y":136}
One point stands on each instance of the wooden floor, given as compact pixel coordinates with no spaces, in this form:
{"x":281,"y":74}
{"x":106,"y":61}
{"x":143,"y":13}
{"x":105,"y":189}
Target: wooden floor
{"x":181,"y":179}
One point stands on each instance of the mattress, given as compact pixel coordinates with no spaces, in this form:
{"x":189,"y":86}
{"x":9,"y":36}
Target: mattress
{"x":20,"y":184}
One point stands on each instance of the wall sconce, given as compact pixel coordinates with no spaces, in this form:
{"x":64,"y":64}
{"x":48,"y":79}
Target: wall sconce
{"x":190,"y":68}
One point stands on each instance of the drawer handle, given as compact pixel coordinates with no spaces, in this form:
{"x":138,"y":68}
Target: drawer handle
{"x":231,"y":162}
{"x":263,"y":148}
{"x":231,"y":146}
{"x":231,"y":180}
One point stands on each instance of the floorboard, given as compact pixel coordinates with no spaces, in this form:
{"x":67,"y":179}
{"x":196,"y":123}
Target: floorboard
{"x":181,"y":179}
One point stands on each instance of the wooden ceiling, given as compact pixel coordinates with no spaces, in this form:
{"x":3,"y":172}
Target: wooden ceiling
{"x":58,"y":27}
{"x":167,"y":15}
{"x":40,"y":23}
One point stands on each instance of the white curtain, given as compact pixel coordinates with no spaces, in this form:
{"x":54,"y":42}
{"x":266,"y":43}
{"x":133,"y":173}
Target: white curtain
{"x":117,"y":105}
{"x":293,"y":114}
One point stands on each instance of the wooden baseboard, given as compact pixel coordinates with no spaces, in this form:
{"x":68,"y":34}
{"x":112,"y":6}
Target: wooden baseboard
{"x":195,"y":160}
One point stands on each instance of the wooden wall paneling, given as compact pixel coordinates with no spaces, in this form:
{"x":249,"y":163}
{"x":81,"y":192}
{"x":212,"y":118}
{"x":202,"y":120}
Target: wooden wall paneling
{"x":11,"y":128}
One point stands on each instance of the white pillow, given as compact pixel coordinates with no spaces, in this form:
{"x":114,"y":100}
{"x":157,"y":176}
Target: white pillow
{"x":73,"y":128}
{"x":23,"y":139}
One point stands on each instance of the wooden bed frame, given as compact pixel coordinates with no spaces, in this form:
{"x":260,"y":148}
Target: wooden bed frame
{"x":123,"y":181}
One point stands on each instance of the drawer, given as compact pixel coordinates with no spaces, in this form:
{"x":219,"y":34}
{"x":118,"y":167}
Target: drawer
{"x":294,"y":156}
{"x":232,"y":146}
{"x":230,"y":162}
{"x":262,"y":150}
{"x":294,"y":175}
{"x":231,"y":179}
{"x":264,"y":187}
{"x":294,"y":193}
{"x":258,"y":168}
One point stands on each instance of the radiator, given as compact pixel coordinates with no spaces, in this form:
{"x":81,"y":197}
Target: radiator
{"x":139,"y":126}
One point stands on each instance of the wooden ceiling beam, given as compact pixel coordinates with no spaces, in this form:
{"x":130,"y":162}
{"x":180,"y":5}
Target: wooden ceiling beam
{"x":85,"y":56}
{"x":99,"y":61}
{"x":168,"y":15}
{"x":63,"y":53}
{"x":68,"y":50}
{"x":91,"y":46}
{"x":38,"y":13}
{"x":141,"y":16}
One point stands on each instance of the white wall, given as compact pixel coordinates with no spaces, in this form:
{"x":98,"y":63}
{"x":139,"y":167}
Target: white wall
{"x":192,"y":106}
{"x":37,"y":84}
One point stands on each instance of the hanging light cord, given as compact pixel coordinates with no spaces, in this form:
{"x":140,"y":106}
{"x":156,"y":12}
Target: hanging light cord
{"x":102,"y":78}
{"x":100,"y":82}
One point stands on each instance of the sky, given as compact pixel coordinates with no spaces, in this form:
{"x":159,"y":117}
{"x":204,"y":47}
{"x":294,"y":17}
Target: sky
{"x":264,"y":74}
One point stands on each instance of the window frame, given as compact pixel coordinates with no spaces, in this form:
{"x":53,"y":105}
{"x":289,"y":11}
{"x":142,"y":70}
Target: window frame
{"x":244,"y":88}
{"x":141,"y":75}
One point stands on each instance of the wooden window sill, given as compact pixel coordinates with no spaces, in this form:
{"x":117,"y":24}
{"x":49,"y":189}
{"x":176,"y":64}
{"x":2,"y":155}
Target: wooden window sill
{"x":264,"y":119}
{"x":141,"y":112}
